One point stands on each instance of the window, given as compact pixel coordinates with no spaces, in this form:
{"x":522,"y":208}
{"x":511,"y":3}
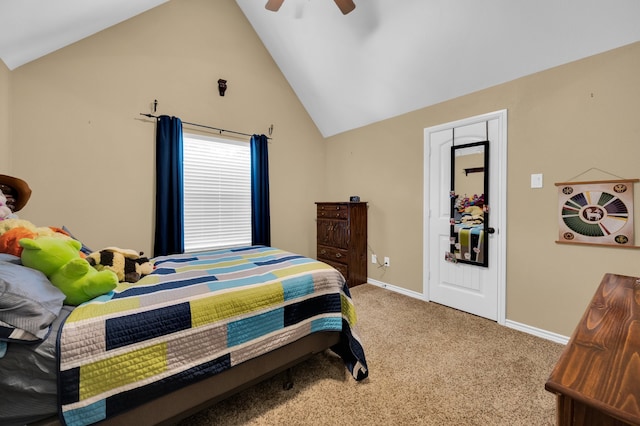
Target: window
{"x":217,"y":193}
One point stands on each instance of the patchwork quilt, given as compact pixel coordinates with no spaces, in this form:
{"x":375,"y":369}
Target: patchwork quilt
{"x":195,"y":316}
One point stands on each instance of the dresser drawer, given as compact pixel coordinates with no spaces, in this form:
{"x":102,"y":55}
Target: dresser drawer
{"x":333,"y":254}
{"x":334,"y":211}
{"x":341,"y":267}
{"x":333,"y":233}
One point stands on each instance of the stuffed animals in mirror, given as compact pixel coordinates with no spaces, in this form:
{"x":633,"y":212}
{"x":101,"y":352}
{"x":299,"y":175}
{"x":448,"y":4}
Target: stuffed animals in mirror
{"x":469,"y":210}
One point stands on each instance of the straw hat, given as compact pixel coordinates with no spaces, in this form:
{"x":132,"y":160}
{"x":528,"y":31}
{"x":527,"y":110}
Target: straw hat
{"x":22,"y":192}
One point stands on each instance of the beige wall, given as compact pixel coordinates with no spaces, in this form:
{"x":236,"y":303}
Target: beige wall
{"x":5,"y":93}
{"x":89,"y":156}
{"x":78,"y":139}
{"x":561,"y":122}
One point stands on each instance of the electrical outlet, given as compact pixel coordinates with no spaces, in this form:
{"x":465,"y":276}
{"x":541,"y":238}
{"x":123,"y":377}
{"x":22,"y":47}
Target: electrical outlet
{"x":386,"y":261}
{"x":374,"y":258}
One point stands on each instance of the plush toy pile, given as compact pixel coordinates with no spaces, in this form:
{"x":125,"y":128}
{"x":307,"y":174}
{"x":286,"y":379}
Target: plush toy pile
{"x":13,"y":230}
{"x":462,"y":203}
{"x":58,"y":255}
{"x":472,"y":215}
{"x":55,"y":252}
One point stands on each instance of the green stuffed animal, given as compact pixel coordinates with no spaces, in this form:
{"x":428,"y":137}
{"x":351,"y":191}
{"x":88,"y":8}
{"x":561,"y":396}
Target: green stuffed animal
{"x":60,"y":261}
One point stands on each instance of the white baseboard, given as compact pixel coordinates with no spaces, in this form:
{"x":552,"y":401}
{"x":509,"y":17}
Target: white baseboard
{"x":397,"y":289}
{"x":548,"y":335}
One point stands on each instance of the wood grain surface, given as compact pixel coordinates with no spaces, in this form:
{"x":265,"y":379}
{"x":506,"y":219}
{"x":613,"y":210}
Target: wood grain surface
{"x":598,"y":374}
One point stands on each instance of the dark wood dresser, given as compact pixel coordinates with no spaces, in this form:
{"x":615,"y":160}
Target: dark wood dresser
{"x":342,"y":239}
{"x":597,"y":378}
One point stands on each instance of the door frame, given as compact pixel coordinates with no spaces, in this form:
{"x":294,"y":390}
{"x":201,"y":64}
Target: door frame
{"x":500,"y":171}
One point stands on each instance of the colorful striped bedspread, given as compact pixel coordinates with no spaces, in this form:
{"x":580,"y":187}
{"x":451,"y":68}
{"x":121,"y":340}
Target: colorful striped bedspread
{"x":195,"y":316}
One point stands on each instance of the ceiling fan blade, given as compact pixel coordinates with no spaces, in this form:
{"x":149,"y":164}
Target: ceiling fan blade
{"x":273,"y":5}
{"x":345,"y":6}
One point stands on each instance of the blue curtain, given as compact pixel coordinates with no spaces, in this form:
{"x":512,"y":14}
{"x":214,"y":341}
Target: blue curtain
{"x":260,"y":217}
{"x":169,"y":234}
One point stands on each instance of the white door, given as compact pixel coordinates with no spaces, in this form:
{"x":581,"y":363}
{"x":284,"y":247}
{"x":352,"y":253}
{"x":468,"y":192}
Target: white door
{"x":471,"y":288}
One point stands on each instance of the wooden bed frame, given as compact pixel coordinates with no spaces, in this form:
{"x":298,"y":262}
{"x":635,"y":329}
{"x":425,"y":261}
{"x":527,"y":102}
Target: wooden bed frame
{"x":178,"y":405}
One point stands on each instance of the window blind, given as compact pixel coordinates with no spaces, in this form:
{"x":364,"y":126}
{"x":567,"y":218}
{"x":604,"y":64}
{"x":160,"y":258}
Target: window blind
{"x":217,"y":193}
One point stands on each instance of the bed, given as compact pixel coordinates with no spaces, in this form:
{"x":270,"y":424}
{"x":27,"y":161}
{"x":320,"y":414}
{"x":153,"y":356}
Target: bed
{"x":201,"y":327}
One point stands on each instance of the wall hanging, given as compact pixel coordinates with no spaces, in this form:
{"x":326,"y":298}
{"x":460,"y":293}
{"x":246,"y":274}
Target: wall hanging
{"x":596,"y":212}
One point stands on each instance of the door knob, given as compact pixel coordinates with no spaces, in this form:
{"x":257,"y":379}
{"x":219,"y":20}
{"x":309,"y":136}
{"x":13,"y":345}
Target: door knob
{"x":491,"y":230}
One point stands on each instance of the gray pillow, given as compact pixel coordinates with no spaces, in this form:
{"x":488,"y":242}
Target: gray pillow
{"x":6,"y":257}
{"x":28,"y":303}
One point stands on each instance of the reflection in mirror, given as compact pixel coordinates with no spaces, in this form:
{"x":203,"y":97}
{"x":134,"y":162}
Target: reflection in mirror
{"x":469,"y":203}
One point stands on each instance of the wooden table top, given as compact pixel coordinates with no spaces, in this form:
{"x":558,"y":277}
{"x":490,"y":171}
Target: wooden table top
{"x":600,"y":366}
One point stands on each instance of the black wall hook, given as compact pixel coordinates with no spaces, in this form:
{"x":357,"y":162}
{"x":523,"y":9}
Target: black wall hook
{"x":222,"y":86}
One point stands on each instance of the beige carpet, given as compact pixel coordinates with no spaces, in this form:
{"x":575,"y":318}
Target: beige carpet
{"x":428,"y":365}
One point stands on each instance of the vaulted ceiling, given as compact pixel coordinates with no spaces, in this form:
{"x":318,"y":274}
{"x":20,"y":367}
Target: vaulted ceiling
{"x":383,"y":59}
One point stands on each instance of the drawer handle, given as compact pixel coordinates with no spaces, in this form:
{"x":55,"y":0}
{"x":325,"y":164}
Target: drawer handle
{"x":323,"y":252}
{"x":338,"y":255}
{"x":338,"y":214}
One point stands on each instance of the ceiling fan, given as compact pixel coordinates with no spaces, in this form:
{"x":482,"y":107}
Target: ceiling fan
{"x":345,"y":6}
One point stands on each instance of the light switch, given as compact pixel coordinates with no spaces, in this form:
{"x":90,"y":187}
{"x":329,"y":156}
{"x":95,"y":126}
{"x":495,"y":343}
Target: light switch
{"x":536,"y":180}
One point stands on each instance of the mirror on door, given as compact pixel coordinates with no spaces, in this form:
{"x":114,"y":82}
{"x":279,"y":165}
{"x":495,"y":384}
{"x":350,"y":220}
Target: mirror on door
{"x":469,"y":203}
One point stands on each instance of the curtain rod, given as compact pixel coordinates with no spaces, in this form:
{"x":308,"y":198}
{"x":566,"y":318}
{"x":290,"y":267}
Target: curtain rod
{"x":202,"y":125}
